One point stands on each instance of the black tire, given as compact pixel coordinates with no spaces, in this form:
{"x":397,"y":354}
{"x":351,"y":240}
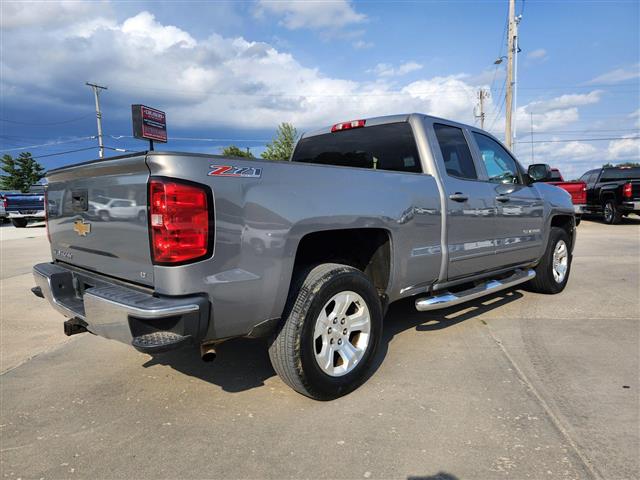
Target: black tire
{"x":19,"y":222}
{"x":578,"y":220}
{"x":545,"y":282}
{"x":104,"y":216}
{"x":292,"y":349}
{"x":142,"y":217}
{"x":612,"y":215}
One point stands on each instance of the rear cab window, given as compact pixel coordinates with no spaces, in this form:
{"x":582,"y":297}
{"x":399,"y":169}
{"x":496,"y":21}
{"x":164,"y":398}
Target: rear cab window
{"x":389,"y":146}
{"x":455,"y":152}
{"x":613,"y":174}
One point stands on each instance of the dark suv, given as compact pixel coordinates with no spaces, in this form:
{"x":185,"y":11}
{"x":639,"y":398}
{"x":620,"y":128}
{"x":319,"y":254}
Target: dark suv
{"x":613,"y":192}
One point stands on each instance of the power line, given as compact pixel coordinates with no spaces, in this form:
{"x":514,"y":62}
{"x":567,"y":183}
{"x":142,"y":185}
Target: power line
{"x":31,"y":124}
{"x":82,"y":150}
{"x":195,"y":139}
{"x":27,"y":147}
{"x":579,"y":140}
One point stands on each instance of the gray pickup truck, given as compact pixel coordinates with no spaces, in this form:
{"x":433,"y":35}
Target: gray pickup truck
{"x":309,"y":252}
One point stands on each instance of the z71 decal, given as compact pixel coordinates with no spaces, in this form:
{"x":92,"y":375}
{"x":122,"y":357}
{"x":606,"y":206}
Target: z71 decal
{"x":231,"y":171}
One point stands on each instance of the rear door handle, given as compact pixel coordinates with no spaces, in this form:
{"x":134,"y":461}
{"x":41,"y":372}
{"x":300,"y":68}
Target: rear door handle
{"x":502,"y":198}
{"x":458,"y":197}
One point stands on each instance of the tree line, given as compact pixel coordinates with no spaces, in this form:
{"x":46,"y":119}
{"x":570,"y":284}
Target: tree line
{"x":280,"y":148}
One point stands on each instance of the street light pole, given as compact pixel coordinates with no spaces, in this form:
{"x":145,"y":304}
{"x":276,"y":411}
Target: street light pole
{"x":96,"y":93}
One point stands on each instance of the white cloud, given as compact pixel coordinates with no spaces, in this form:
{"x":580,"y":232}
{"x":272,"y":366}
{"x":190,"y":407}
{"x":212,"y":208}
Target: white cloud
{"x":618,"y":75}
{"x":28,"y":14}
{"x":387,"y":70}
{"x":213,"y":81}
{"x":296,"y":14}
{"x":143,"y":31}
{"x":362,"y":44}
{"x":447,"y":97}
{"x":576,"y":150}
{"x":625,"y":148}
{"x":538,"y":54}
{"x":564,"y":102}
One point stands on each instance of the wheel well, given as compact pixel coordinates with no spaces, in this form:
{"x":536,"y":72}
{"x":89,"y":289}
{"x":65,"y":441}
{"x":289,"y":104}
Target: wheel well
{"x":565,"y":222}
{"x":606,"y":195}
{"x":367,"y":249}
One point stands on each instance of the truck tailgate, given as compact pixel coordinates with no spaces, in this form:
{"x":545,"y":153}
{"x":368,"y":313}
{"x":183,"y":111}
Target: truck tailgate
{"x":97,"y":217}
{"x":577,"y":190}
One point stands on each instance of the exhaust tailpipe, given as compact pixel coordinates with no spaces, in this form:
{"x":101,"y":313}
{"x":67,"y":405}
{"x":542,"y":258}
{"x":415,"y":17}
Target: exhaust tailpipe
{"x":208,"y":353}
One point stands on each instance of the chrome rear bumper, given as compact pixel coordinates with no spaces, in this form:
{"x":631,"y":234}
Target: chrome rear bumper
{"x":119,"y":312}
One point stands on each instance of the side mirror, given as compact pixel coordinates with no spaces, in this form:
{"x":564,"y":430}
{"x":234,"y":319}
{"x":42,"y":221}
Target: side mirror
{"x":539,"y":172}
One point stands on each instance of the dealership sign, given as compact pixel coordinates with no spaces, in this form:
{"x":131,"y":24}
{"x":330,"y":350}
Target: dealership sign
{"x":149,"y":123}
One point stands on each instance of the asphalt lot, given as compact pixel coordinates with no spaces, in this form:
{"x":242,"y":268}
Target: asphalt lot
{"x":518,"y":385}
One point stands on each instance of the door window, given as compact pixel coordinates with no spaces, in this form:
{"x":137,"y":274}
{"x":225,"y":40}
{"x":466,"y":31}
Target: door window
{"x":500,"y":166}
{"x":455,"y":152}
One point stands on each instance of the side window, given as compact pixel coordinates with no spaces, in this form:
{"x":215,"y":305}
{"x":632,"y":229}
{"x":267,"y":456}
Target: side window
{"x":501,"y":167}
{"x":455,"y":152}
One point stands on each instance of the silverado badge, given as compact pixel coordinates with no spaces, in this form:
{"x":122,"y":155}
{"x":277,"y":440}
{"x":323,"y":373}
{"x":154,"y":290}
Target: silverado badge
{"x":81,"y":228}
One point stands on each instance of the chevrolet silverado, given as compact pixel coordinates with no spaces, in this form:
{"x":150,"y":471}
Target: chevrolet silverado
{"x":309,"y":252}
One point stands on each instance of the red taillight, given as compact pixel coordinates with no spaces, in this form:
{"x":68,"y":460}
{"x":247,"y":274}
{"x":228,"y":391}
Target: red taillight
{"x":348,"y":125}
{"x":4,"y":202}
{"x":179,"y":221}
{"x":627,"y":191}
{"x":580,"y":196}
{"x":46,"y":214}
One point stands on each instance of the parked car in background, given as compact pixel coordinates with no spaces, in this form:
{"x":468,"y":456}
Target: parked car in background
{"x":309,"y":252}
{"x":577,"y":190}
{"x":613,"y":192}
{"x":22,"y":208}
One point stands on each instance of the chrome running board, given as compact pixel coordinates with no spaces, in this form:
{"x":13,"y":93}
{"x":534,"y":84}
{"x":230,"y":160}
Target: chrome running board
{"x":448,"y":299}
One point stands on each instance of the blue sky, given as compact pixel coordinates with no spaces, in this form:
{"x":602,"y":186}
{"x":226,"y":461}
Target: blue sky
{"x":229,"y":72}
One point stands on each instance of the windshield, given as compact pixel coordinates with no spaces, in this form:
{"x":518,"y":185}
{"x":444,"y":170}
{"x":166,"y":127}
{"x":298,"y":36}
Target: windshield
{"x":383,"y":147}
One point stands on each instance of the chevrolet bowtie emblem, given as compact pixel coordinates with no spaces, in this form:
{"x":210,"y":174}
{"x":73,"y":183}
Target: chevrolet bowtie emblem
{"x":81,"y":228}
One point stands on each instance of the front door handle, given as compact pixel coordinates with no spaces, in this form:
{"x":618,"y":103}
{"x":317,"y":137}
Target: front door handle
{"x":502,"y":198}
{"x":458,"y":197}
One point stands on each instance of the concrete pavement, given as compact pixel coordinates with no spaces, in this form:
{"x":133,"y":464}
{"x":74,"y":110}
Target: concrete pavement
{"x":517,"y":385}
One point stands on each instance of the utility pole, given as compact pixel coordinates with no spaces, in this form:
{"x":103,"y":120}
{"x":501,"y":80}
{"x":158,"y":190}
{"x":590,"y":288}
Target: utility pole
{"x":96,"y":93}
{"x":512,"y":56}
{"x":532,"y":155}
{"x":482,"y":95}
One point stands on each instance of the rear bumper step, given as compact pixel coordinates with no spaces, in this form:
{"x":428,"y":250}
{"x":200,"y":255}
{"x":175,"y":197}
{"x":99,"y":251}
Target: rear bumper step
{"x":448,"y":299}
{"x":150,"y":323}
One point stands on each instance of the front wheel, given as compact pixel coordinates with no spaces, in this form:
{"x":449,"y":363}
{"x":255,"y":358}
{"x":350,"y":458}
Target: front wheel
{"x":19,"y":222}
{"x":552,"y":273}
{"x":331,"y":330}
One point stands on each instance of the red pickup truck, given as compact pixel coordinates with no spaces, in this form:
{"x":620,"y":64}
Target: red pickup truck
{"x":577,"y":190}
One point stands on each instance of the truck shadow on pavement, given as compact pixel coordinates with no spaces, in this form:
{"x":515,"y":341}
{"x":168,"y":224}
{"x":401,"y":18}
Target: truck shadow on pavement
{"x":243,"y":364}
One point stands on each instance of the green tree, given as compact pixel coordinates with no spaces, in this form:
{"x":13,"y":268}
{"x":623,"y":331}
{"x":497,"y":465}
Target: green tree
{"x":625,"y":164}
{"x":233,"y":151}
{"x":20,"y":173}
{"x":281,"y":147}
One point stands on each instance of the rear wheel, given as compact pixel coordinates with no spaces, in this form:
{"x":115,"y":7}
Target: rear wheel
{"x":331,"y":331}
{"x":19,"y":222}
{"x":552,"y":273}
{"x":611,"y":213}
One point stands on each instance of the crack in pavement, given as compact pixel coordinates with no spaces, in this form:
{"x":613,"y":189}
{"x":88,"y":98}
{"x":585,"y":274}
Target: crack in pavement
{"x":555,"y":420}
